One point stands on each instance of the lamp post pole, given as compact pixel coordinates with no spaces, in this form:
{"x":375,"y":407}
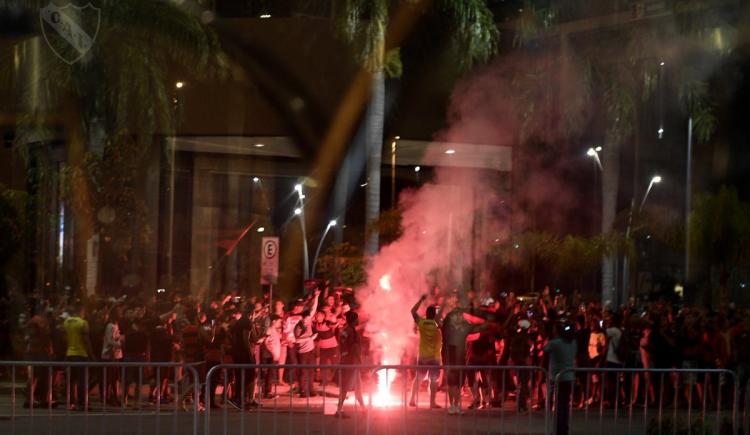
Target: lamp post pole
{"x":300,"y":213}
{"x":330,"y":225}
{"x":626,"y":261}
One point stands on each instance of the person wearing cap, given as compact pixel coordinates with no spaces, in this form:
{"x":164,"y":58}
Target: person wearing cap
{"x":304,"y":337}
{"x":270,"y":353}
{"x":288,"y":340}
{"x":520,"y":349}
{"x":456,"y":328}
{"x":562,"y":356}
{"x":430,"y":344}
{"x":350,"y":344}
{"x":79,"y":350}
{"x":38,"y":338}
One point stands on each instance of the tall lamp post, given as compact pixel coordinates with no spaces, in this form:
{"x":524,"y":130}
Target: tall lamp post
{"x":656,"y":179}
{"x":300,"y":213}
{"x":594,"y":153}
{"x":330,"y":225}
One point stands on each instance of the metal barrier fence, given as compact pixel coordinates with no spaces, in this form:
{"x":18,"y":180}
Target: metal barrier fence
{"x":249,"y":398}
{"x":745,"y":402}
{"x":49,"y":384}
{"x":502,"y":399}
{"x":654,"y":401}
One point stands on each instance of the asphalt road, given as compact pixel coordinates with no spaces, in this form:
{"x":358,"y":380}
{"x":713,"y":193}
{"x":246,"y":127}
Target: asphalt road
{"x":296,"y":416}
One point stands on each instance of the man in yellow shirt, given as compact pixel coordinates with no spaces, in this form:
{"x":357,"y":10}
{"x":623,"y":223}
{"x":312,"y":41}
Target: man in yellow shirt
{"x":430,"y":345}
{"x":79,"y":350}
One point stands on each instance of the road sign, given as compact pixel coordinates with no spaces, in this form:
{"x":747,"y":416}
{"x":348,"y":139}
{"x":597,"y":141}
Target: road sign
{"x":269,"y":261}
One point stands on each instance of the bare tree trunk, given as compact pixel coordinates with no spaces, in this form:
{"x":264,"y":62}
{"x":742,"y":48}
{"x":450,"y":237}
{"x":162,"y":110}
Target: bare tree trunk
{"x":610,"y":187}
{"x":375,"y":118}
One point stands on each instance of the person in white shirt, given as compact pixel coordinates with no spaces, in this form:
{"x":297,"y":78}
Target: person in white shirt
{"x":112,"y":352}
{"x":614,"y":336}
{"x":271,"y":353}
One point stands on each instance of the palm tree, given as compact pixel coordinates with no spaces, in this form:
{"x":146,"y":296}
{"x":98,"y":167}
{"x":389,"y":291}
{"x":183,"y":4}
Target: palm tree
{"x":365,"y":23}
{"x":113,"y":105}
{"x":626,"y":80}
{"x":720,"y":233}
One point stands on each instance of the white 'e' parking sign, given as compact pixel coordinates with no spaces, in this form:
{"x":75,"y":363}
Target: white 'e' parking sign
{"x":269,"y":261}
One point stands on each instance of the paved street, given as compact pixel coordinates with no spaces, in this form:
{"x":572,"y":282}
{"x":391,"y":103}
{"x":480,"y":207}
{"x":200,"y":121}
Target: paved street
{"x":293,"y":415}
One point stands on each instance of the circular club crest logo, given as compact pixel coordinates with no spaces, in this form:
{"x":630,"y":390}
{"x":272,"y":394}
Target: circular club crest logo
{"x":70,"y":30}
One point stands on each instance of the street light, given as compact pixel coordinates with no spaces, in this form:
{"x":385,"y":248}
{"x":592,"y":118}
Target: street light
{"x":299,"y":212}
{"x":256,"y":179}
{"x":655,"y":180}
{"x":593,"y":152}
{"x":261,"y":229}
{"x":330,"y":225}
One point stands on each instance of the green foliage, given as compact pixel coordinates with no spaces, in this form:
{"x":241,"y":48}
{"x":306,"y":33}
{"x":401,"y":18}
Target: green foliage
{"x":388,"y":225}
{"x":473,"y":28}
{"x":344,"y":264}
{"x":569,"y":256}
{"x":579,"y":255}
{"x":364,"y":24}
{"x":534,"y":20}
{"x":720,"y":229}
{"x":111,"y":181}
{"x":393,"y":67}
{"x":123,"y":83}
{"x":11,"y":225}
{"x":694,"y":94}
{"x":620,"y":104}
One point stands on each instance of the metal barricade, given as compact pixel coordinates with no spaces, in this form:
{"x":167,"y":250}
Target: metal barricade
{"x":744,"y":405}
{"x":490,"y":399}
{"x":58,"y":394}
{"x":654,"y":401}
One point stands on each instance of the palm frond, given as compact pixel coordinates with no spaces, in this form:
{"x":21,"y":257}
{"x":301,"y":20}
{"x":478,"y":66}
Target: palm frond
{"x":474,"y":29}
{"x":534,"y":20}
{"x":363,"y":24}
{"x":694,"y":93}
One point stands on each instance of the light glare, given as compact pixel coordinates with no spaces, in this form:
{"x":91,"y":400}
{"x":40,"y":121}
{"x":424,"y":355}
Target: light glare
{"x":385,"y":282}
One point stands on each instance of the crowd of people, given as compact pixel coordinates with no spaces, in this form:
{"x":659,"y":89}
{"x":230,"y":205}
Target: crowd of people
{"x":451,"y":329}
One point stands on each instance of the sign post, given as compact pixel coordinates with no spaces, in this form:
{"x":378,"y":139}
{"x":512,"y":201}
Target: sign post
{"x":269,"y":264}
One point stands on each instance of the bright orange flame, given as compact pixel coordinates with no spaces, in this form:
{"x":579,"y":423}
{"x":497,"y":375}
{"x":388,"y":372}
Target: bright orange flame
{"x":383,"y":397}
